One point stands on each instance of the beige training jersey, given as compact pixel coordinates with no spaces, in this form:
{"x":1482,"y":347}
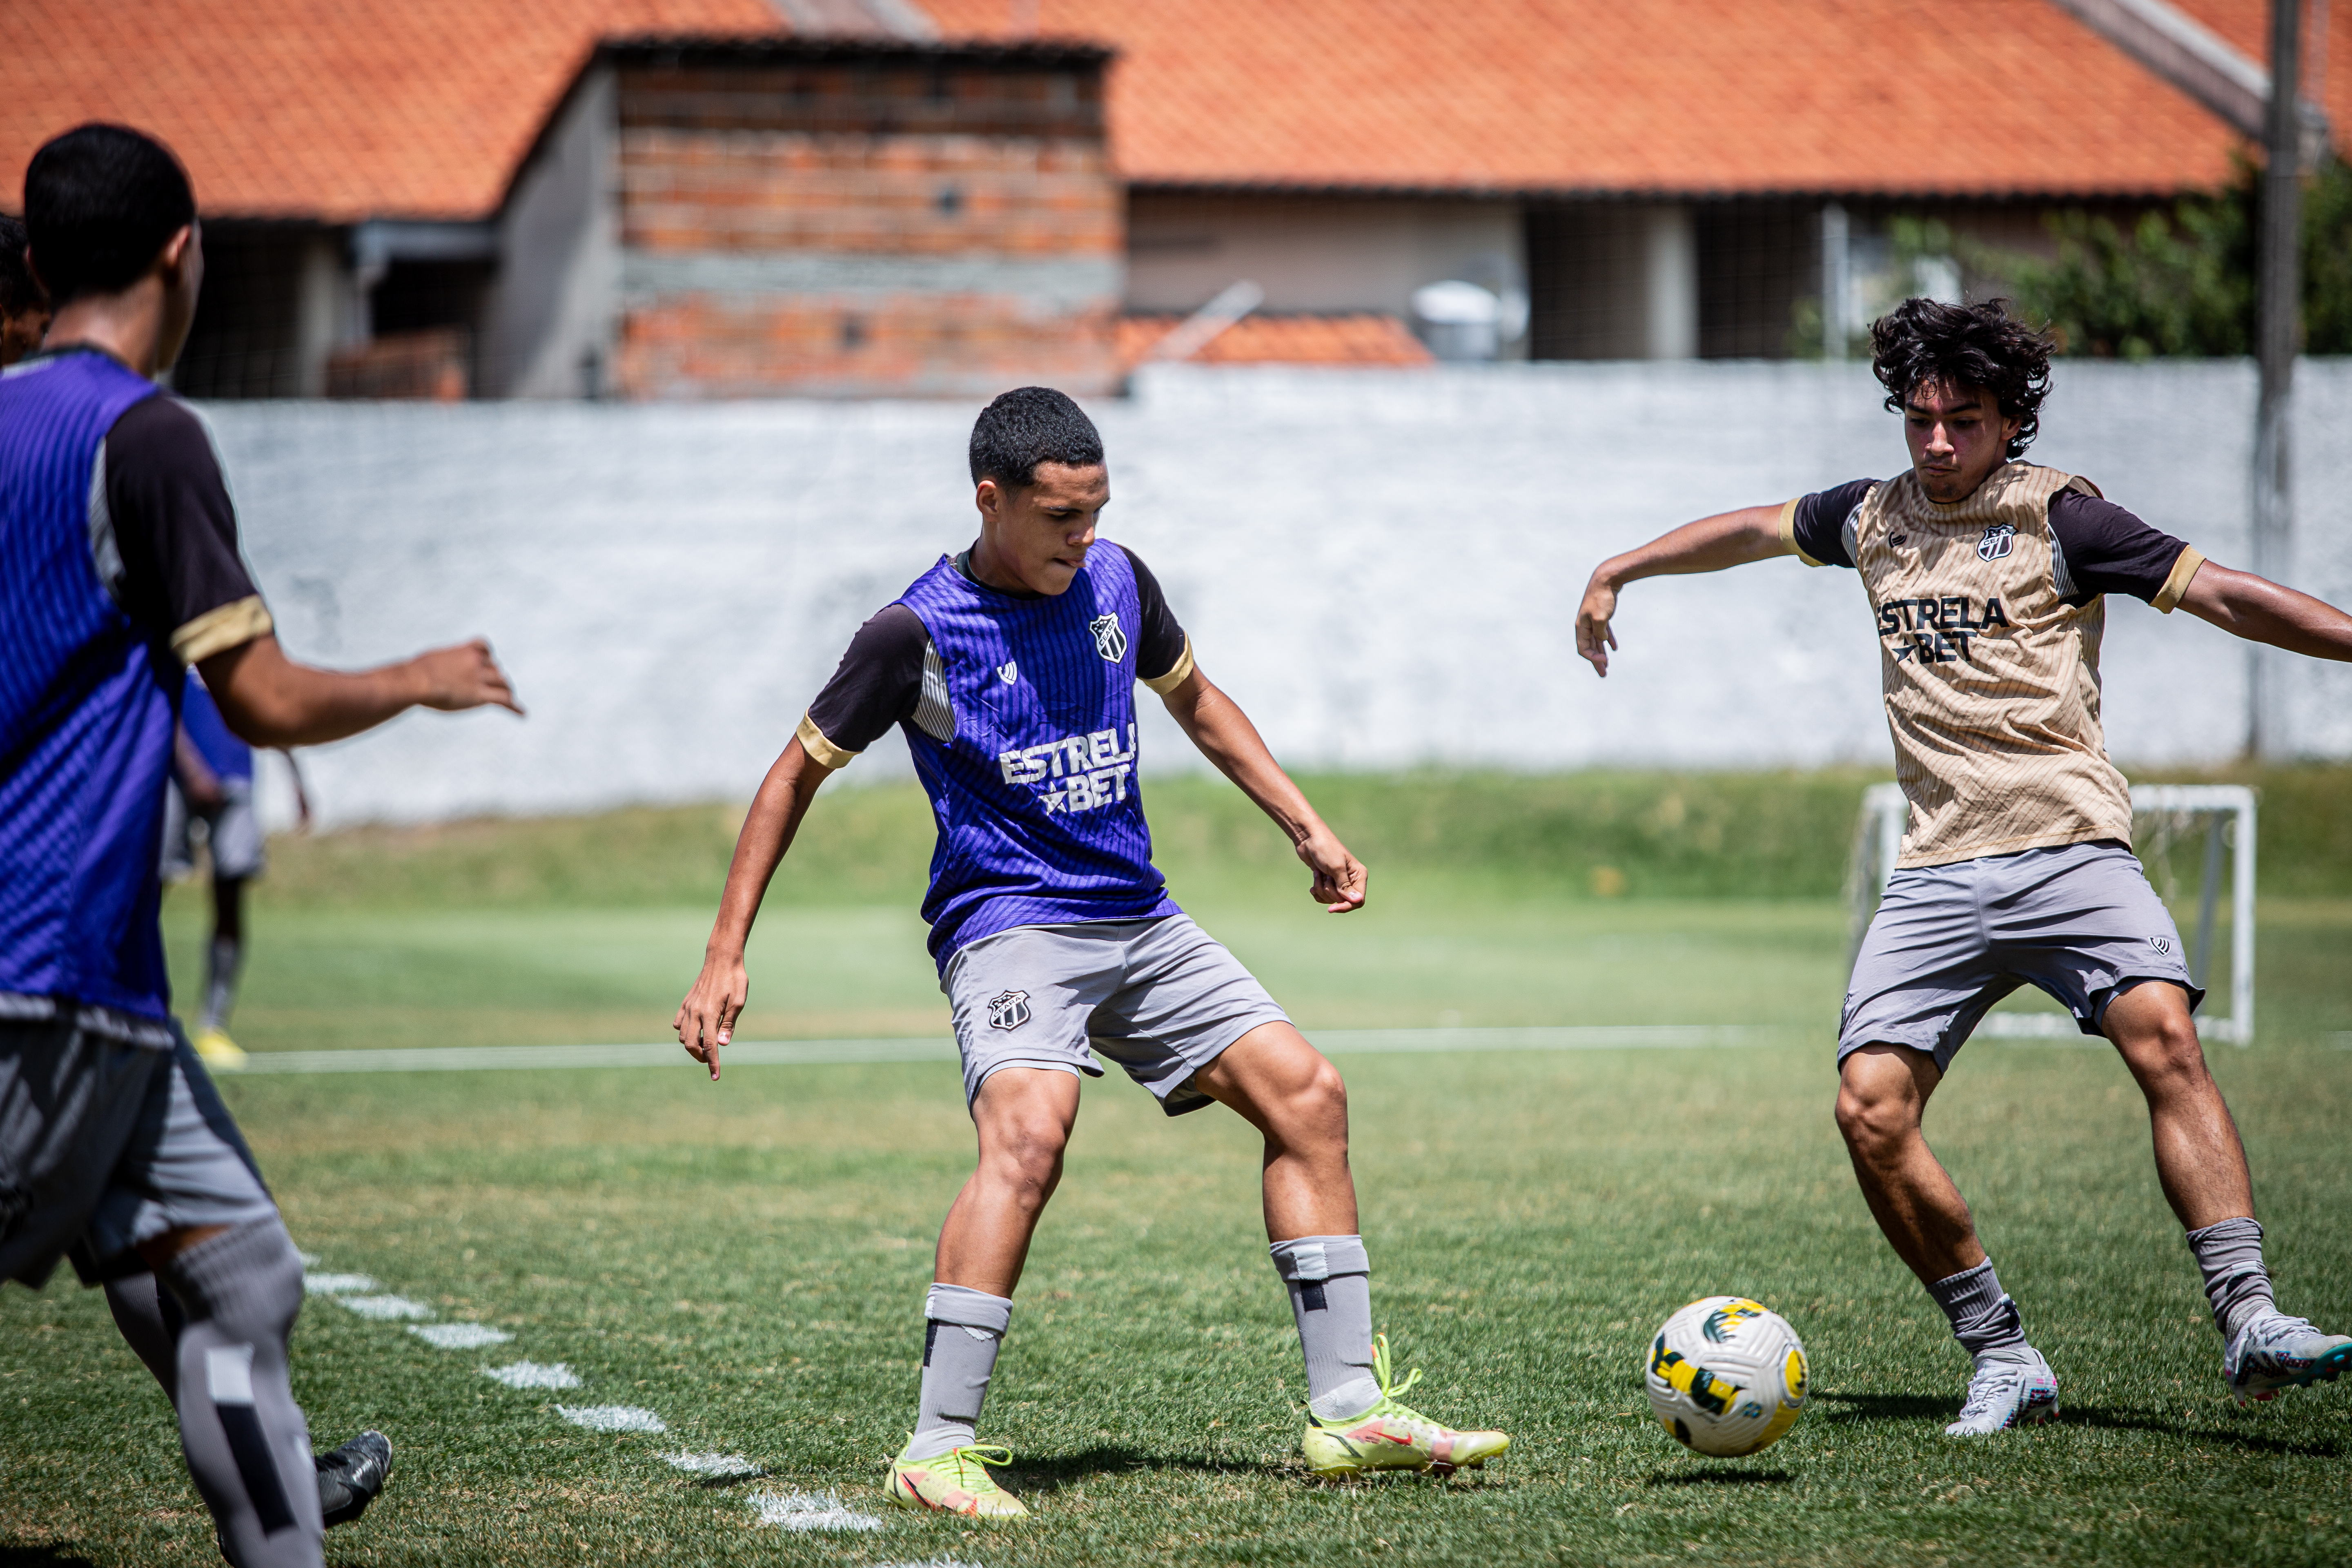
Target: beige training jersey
{"x":1991,"y":679}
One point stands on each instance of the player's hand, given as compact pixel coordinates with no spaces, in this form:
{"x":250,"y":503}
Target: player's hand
{"x":1340,"y":879}
{"x":463,"y":677}
{"x":706,"y":1019}
{"x":1593,"y":637}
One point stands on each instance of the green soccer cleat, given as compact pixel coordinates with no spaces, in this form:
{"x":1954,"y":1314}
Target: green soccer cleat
{"x":1389,"y":1437}
{"x":956,"y":1482}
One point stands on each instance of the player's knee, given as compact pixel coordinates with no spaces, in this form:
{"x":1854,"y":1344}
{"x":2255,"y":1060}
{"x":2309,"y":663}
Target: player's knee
{"x":1026,"y":1153}
{"x":248,"y":1279}
{"x":1870,"y":1122}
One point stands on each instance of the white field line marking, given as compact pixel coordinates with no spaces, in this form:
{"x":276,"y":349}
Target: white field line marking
{"x":612,"y":1418}
{"x":534,"y":1374}
{"x":335,"y":1284}
{"x":930,"y":1563}
{"x":808,"y":1510}
{"x":721,"y":1466}
{"x":459,"y":1336}
{"x":835,"y":1053}
{"x":385,"y":1309}
{"x":310,"y":1259}
{"x":2341,"y":1042}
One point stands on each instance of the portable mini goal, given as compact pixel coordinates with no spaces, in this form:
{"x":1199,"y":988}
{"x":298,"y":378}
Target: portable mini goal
{"x":2165,"y":818}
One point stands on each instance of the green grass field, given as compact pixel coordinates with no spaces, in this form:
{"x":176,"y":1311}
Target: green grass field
{"x":748,"y":1258}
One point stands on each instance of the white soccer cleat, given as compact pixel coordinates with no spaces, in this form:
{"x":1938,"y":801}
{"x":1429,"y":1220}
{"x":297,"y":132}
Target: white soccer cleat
{"x":2006,"y":1394}
{"x":2277,"y":1353}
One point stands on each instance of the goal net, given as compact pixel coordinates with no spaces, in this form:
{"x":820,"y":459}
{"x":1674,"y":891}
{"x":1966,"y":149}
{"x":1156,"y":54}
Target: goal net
{"x":2198,"y":844}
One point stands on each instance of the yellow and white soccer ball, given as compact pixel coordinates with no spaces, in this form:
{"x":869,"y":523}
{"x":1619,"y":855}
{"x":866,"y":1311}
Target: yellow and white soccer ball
{"x":1726,"y":1376}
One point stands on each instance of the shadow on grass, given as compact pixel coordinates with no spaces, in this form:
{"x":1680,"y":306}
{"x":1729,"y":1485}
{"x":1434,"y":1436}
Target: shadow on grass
{"x":14,"y":1554}
{"x":1719,"y":1479}
{"x":1931,"y":1407}
{"x":1051,"y":1475}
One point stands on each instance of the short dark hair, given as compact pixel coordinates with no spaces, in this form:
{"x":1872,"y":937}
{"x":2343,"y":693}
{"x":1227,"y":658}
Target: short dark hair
{"x":99,"y":202}
{"x":18,"y":291}
{"x":1029,"y":426}
{"x":1965,"y":345}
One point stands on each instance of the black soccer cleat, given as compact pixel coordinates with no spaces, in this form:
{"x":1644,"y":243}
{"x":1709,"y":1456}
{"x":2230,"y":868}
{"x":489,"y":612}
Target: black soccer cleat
{"x":351,"y":1477}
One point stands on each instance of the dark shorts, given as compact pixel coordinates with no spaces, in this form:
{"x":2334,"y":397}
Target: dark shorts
{"x":105,"y":1143}
{"x":2079,"y":921}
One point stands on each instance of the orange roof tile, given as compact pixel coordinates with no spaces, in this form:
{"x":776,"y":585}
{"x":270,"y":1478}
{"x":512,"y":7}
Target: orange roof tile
{"x":2246,"y":25}
{"x":329,"y":109}
{"x":1363,"y":339}
{"x":1680,"y":96}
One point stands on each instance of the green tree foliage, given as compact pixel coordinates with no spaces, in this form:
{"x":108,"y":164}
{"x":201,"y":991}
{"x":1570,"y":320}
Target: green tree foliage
{"x":2183,"y":282}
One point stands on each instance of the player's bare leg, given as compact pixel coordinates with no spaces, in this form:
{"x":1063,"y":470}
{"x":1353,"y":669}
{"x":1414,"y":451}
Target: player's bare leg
{"x":1023,"y":1117}
{"x":1283,"y":1087}
{"x":1882,"y":1092}
{"x":2201,"y":1164}
{"x":2199,"y":1157}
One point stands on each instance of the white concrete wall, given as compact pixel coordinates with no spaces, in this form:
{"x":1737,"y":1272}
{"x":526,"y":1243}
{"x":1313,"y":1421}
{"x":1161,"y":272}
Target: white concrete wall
{"x":1382,"y":566}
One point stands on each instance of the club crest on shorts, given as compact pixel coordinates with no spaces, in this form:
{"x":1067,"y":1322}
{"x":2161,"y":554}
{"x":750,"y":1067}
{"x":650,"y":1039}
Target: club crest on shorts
{"x":1008,"y":1010}
{"x":1109,"y":640}
{"x":1998,"y":537}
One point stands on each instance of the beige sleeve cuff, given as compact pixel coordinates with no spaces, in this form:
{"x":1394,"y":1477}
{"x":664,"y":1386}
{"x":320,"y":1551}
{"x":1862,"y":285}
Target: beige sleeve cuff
{"x":218,"y":631}
{"x":2177,"y":581}
{"x":821,"y":752}
{"x":1789,"y":533}
{"x":1177,"y":672}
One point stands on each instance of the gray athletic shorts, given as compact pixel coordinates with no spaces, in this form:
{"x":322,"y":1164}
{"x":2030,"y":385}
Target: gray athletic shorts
{"x":233,"y":833}
{"x":1162,"y":998}
{"x":106,"y":1143}
{"x":2078,"y":921}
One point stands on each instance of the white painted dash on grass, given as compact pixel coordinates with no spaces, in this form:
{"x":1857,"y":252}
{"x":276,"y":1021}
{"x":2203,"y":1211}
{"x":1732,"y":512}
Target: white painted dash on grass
{"x":310,"y":1259}
{"x":612,"y":1418}
{"x":808,"y":1510}
{"x":534,"y":1374}
{"x":335,"y":1284}
{"x":385,"y":1308}
{"x":459,"y":1336}
{"x":721,"y":1466}
{"x":930,"y":1563}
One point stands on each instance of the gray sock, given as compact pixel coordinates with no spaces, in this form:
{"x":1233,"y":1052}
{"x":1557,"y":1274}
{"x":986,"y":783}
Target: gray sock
{"x":2230,"y":1256}
{"x":150,"y":1321}
{"x":227,"y":956}
{"x":247,"y":1445}
{"x":1331,"y":1282}
{"x":1984,"y":1320}
{"x":961,"y":1331}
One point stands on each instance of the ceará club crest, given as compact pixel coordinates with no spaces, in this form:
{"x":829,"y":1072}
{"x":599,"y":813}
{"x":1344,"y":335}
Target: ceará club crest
{"x":1998,"y":538}
{"x":1109,"y":640}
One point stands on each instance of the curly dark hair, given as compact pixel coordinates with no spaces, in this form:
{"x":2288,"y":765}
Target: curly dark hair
{"x":1965,"y":345}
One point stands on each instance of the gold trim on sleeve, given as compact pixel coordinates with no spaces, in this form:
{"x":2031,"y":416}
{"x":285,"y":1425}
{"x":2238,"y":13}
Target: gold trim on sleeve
{"x":821,"y":752}
{"x":218,"y":630}
{"x":1789,"y":545}
{"x":1177,"y":672}
{"x":2081,"y":486}
{"x":2177,"y":581}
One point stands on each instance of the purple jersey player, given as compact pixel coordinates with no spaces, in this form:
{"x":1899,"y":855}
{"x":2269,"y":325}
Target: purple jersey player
{"x":1011,"y":669}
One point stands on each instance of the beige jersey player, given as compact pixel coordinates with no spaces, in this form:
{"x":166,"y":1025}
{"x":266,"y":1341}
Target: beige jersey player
{"x":1987,"y":577}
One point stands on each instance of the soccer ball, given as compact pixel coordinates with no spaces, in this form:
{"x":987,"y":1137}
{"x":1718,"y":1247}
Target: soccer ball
{"x":1726,"y":1376}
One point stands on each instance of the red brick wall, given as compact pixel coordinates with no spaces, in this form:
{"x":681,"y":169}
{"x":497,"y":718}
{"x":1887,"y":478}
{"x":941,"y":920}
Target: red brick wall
{"x":910,"y":226}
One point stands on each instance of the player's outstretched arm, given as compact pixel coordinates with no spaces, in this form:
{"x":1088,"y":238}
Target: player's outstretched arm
{"x":270,"y":700}
{"x":1227,"y":738}
{"x":1710,"y":545}
{"x":2260,"y":610}
{"x":706,"y":1019}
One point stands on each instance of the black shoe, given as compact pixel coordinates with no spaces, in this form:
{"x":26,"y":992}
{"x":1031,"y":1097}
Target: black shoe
{"x":351,"y":1478}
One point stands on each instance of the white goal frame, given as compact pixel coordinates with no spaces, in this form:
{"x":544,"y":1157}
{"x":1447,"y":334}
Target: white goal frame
{"x":2227,"y":812}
